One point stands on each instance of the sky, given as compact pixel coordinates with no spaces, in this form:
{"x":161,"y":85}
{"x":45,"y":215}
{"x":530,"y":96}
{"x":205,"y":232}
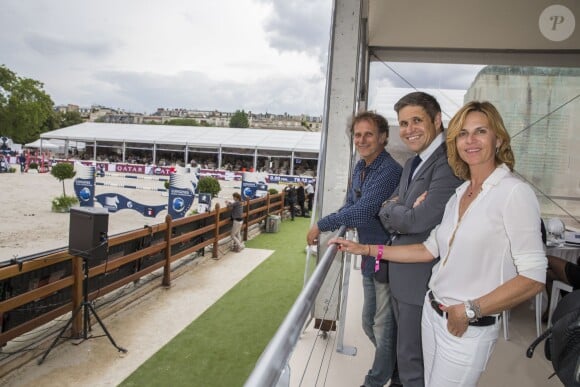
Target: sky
{"x":140,"y":55}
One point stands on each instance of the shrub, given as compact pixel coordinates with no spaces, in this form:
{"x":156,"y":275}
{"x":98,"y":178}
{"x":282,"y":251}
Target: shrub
{"x":12,"y":170}
{"x":208,"y":184}
{"x":166,"y":184}
{"x":272,"y":191}
{"x":63,"y":203}
{"x":33,"y":165}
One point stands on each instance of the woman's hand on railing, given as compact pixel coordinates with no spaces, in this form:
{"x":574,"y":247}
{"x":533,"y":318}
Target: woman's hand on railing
{"x":349,"y":246}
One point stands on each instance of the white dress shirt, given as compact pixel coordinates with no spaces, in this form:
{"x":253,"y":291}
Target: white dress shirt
{"x":497,"y":238}
{"x":427,"y":152}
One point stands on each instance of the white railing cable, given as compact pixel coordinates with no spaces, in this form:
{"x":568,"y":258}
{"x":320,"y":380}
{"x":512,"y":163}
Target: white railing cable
{"x":320,"y":334}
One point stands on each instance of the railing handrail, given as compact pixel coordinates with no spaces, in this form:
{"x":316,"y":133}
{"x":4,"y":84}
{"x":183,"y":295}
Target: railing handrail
{"x":274,"y":358}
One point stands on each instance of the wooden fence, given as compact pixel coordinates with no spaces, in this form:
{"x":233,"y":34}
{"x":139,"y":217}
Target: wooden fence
{"x":36,"y":291}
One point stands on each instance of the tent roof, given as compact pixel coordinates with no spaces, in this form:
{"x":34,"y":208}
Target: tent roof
{"x":41,"y":143}
{"x":248,"y":138}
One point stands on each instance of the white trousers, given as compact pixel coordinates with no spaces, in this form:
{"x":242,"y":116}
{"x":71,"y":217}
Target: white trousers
{"x":236,"y":234}
{"x":450,"y":360}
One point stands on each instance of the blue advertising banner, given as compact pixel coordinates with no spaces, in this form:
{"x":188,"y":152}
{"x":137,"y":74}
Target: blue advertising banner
{"x":288,"y":179}
{"x":84,"y":184}
{"x":114,"y":202}
{"x":253,"y":185}
{"x":181,"y":195}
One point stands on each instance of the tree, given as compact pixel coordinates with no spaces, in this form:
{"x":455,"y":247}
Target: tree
{"x":63,"y":171}
{"x":26,"y":110}
{"x":69,"y":119}
{"x":183,"y":122}
{"x":239,"y":120}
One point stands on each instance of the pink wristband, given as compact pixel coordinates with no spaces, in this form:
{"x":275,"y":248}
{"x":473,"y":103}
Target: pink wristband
{"x":379,"y":256}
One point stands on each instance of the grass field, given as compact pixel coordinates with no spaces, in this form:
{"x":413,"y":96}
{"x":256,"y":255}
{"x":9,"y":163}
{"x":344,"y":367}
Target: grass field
{"x":221,"y":347}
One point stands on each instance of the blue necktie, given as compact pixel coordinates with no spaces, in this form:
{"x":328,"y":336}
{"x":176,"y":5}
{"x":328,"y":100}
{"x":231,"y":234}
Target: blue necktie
{"x":416,"y":162}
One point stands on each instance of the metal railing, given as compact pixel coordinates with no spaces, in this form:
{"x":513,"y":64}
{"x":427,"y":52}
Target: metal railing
{"x":275,"y":357}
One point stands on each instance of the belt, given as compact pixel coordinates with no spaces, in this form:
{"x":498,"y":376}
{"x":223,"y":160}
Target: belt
{"x":238,"y":219}
{"x":480,"y":322}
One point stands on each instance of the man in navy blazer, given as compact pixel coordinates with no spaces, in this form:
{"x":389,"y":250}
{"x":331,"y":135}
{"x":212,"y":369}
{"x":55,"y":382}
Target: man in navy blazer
{"x":415,"y":208}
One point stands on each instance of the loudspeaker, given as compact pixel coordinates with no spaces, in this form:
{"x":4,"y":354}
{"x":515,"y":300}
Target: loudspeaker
{"x":88,"y":232}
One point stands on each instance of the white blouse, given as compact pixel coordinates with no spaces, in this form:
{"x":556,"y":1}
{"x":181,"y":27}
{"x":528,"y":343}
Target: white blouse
{"x":498,"y":238}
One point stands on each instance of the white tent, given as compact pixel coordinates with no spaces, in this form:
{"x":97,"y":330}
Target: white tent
{"x":41,"y":144}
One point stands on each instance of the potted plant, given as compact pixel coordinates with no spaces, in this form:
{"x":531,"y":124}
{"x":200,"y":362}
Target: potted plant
{"x":33,"y":167}
{"x":63,"y":171}
{"x":209,"y":184}
{"x":63,"y":203}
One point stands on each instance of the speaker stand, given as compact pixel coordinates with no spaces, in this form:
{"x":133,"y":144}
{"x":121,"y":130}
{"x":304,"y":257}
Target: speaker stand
{"x":86,"y":307}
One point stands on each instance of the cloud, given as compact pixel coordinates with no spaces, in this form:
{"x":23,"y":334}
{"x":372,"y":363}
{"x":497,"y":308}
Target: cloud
{"x":424,"y":75}
{"x":56,"y":46}
{"x":139,"y":55}
{"x":194,"y":90}
{"x":299,"y":25}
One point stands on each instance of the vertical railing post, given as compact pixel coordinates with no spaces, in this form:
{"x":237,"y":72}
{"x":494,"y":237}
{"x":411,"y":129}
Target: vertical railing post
{"x":282,"y":204}
{"x":245,"y":216}
{"x":167,"y":267}
{"x":216,"y":236}
{"x":77,"y":295}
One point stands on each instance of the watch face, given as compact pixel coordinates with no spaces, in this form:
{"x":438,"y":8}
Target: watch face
{"x":470,"y":313}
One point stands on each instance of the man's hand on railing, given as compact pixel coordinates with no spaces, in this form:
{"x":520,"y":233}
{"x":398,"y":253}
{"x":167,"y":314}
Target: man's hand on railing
{"x":312,"y":236}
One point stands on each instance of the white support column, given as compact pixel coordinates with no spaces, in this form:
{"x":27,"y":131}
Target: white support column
{"x":334,"y":167}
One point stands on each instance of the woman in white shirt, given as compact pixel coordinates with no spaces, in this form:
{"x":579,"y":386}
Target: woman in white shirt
{"x":489,"y":247}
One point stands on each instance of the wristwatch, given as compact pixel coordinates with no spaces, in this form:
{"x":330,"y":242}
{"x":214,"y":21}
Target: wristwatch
{"x":469,"y":311}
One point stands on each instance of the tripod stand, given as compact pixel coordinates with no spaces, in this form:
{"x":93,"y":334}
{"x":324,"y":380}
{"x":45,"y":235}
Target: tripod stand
{"x":86,"y":307}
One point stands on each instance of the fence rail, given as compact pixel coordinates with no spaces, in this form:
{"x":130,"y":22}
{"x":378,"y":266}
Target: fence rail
{"x":40,"y":289}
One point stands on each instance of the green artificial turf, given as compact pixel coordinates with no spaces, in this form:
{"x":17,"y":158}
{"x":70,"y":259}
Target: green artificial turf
{"x":221,"y":347}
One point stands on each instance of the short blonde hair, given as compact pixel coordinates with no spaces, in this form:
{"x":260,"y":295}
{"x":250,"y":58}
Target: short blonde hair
{"x":503,"y":155}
